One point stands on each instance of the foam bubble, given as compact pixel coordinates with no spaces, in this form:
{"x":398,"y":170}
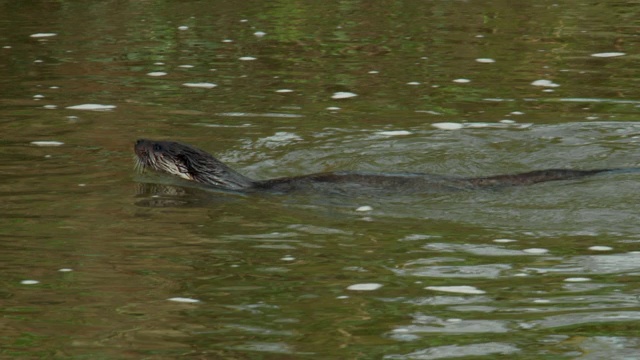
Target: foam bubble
{"x":364,"y":287}
{"x":203,"y":85}
{"x":92,"y":107}
{"x":394,"y":133}
{"x":47,"y":143}
{"x":544,"y":83}
{"x":448,"y":126}
{"x":184,"y":300}
{"x":157,"y":73}
{"x":43,"y":35}
{"x":462,"y":289}
{"x":600,"y":248}
{"x":343,"y":95}
{"x":608,"y":54}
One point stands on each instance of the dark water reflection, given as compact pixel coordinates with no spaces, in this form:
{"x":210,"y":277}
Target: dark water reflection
{"x":456,"y":88}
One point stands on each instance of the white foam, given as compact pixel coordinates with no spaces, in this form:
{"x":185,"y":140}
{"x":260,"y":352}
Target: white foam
{"x":29,"y":282}
{"x":157,"y":73}
{"x":183,"y":300}
{"x":202,"y":85}
{"x":65,"y":270}
{"x":92,"y":107}
{"x":394,"y":133}
{"x":247,"y":58}
{"x":413,"y":83}
{"x":42,"y":35}
{"x":364,"y":287}
{"x":577,"y":279}
{"x":47,"y":143}
{"x":504,"y":241}
{"x":461,"y":81}
{"x":343,"y":95}
{"x":536,"y":251}
{"x":544,"y":83}
{"x":183,"y":27}
{"x":608,"y":54}
{"x":485,"y":60}
{"x":259,"y":33}
{"x":462,"y":289}
{"x":601,"y":248}
{"x":287,"y":258}
{"x":284,"y":91}
{"x":364,"y":208}
{"x":333,"y":108}
{"x":447,"y":126}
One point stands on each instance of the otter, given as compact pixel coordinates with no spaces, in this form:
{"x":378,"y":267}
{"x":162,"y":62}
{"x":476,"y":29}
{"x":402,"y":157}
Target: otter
{"x":193,"y":164}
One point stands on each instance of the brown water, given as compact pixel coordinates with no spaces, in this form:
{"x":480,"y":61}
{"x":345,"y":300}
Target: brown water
{"x":274,"y":276}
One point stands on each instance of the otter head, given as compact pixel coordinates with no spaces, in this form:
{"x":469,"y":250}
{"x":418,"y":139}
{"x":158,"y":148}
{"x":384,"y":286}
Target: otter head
{"x":189,"y":163}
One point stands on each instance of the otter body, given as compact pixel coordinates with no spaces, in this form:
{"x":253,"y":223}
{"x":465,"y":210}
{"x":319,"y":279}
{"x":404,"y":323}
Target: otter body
{"x":201,"y":167}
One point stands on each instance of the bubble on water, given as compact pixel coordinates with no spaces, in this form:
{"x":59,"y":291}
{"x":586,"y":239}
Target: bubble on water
{"x":247,"y":58}
{"x":536,"y":251}
{"x":394,"y":133}
{"x":47,"y":143}
{"x":413,"y":83}
{"x":186,"y":66}
{"x":43,"y":35}
{"x":287,"y":258}
{"x":92,"y":107}
{"x":485,"y":60}
{"x":203,"y":85}
{"x":600,"y":248}
{"x":29,"y":282}
{"x":65,"y":270}
{"x":447,"y":126}
{"x":577,"y":279}
{"x":157,"y":73}
{"x":259,"y":33}
{"x":504,"y":241}
{"x":284,"y":91}
{"x":50,"y":107}
{"x":544,"y":83}
{"x":227,"y":41}
{"x":184,"y":300}
{"x":462,"y":289}
{"x":183,"y":27}
{"x":608,"y":54}
{"x":364,"y":208}
{"x":374,"y":72}
{"x":461,"y":81}
{"x":364,"y":287}
{"x":343,"y":95}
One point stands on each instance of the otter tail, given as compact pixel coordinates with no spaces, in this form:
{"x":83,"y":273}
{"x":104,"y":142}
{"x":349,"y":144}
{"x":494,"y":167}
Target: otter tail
{"x":534,"y":177}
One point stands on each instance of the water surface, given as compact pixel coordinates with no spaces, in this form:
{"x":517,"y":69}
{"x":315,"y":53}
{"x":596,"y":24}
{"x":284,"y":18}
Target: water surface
{"x":102,"y":263}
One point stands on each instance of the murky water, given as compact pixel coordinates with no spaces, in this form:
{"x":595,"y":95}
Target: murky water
{"x":99,"y":262}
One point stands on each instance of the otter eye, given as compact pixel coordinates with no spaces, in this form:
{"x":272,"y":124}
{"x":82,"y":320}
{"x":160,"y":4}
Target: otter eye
{"x":157,"y":147}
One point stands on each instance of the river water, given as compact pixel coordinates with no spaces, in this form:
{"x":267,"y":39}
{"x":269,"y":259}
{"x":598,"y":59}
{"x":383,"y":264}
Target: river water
{"x":99,"y":262}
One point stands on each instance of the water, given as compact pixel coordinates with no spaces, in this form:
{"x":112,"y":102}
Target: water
{"x":99,"y":262}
